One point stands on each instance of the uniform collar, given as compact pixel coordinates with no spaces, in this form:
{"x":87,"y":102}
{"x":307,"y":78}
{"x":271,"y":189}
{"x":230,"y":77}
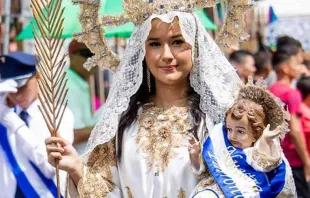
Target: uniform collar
{"x":32,"y":109}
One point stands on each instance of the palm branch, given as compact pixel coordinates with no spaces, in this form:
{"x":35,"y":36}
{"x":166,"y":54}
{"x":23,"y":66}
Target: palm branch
{"x":52,"y":82}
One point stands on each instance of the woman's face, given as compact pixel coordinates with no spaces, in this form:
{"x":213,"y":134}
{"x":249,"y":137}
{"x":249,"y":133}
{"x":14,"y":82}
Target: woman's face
{"x":239,"y":132}
{"x":168,"y":56}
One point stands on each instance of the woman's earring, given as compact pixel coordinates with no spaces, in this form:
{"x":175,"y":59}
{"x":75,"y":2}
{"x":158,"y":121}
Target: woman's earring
{"x":148,"y":77}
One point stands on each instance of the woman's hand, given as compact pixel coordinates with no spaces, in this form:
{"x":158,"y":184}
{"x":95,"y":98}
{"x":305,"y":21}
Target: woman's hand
{"x":194,"y":149}
{"x":59,"y":149}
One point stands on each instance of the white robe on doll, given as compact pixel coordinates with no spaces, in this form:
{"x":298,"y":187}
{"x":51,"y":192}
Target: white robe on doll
{"x":243,"y":172}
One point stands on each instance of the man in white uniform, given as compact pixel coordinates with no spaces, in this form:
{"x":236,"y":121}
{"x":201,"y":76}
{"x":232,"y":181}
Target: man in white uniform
{"x":24,"y":169}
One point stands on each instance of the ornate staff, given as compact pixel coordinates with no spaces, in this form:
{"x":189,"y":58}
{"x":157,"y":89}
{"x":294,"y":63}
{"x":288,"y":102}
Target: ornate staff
{"x":52,"y":82}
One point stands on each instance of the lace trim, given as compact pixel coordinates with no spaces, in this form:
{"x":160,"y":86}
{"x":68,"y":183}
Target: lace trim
{"x":182,"y":193}
{"x":232,"y":31}
{"x":129,"y":193}
{"x":264,"y":162}
{"x":161,"y":130}
{"x":289,"y":189}
{"x":97,"y":175}
{"x":208,"y":183}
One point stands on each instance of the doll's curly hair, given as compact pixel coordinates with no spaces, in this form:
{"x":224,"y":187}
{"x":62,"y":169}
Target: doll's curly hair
{"x":253,"y":111}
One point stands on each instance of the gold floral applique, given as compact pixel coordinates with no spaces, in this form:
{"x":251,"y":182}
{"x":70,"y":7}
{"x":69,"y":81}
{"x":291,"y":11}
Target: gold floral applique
{"x":161,"y":130}
{"x":129,"y":193}
{"x":208,"y":183}
{"x":181,"y":193}
{"x":264,"y":162}
{"x":97,"y":180}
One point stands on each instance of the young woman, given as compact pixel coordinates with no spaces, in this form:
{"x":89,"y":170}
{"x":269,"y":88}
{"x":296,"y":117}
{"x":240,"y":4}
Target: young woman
{"x":171,"y":86}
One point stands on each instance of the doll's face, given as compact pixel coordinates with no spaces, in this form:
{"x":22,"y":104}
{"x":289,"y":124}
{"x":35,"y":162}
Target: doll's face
{"x":168,"y":56}
{"x":240,"y":132}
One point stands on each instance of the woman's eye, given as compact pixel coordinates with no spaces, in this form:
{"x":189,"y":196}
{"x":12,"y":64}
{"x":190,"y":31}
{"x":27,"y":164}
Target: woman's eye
{"x":177,"y":42}
{"x":229,"y":129}
{"x":154,"y":44}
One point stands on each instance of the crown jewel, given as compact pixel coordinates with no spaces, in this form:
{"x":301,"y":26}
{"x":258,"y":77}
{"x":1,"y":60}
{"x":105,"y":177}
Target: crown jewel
{"x":138,"y":11}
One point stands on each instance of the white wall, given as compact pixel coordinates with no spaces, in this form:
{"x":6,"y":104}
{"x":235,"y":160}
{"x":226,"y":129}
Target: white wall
{"x":286,"y":8}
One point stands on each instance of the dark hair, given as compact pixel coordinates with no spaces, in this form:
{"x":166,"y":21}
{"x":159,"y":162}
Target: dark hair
{"x":303,"y":85}
{"x":141,"y":97}
{"x":287,"y":40}
{"x":283,"y":54}
{"x":307,"y":64}
{"x":262,"y":61}
{"x":238,"y":56}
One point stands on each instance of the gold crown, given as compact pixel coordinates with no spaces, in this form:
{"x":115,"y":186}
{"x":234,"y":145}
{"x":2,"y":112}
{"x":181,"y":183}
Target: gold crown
{"x":138,"y":11}
{"x":273,"y":107}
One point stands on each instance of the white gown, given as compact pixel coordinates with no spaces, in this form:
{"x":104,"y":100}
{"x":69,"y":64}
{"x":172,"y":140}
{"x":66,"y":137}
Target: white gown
{"x":155,"y":160}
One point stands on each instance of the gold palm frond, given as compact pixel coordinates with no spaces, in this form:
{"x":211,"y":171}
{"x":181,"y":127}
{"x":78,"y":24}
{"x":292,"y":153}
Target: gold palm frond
{"x":52,"y":82}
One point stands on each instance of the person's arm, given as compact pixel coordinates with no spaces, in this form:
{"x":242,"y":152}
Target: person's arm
{"x":298,"y":139}
{"x":99,"y":173}
{"x":27,"y":143}
{"x":266,"y":153}
{"x":264,"y":156}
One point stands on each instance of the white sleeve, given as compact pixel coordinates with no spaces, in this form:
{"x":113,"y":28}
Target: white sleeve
{"x":262,"y":162}
{"x":98,"y":179}
{"x":34,"y":150}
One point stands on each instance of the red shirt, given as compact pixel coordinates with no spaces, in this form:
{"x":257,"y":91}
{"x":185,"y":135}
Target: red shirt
{"x":292,"y":98}
{"x":305,"y":121}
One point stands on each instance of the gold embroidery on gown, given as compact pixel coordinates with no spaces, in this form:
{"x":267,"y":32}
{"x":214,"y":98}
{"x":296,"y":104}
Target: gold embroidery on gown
{"x":97,"y":175}
{"x":182,"y":193}
{"x":129,"y":193}
{"x":162,"y":130}
{"x":264,"y":162}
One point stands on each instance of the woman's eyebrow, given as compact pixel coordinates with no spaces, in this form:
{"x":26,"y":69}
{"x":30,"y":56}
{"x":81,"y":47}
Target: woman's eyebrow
{"x":157,"y":39}
{"x":152,"y":39}
{"x":176,"y":36}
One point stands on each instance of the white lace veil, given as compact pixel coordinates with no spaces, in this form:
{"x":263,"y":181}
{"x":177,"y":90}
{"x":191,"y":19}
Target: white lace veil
{"x":212,"y":76}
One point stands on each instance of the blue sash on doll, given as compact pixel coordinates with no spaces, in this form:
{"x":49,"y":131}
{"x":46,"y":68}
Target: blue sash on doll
{"x":234,"y":175}
{"x":20,"y":177}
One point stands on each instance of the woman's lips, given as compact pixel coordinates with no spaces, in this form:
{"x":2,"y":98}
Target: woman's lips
{"x":169,"y":68}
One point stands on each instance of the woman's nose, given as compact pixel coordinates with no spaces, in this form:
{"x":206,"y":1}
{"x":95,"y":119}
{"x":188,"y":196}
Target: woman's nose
{"x":167,"y":55}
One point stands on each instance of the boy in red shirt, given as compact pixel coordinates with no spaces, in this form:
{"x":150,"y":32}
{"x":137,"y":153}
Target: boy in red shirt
{"x":303,"y":86}
{"x":285,"y":63}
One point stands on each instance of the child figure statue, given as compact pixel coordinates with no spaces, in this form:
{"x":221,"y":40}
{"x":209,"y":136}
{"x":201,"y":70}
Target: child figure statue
{"x":243,"y":153}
